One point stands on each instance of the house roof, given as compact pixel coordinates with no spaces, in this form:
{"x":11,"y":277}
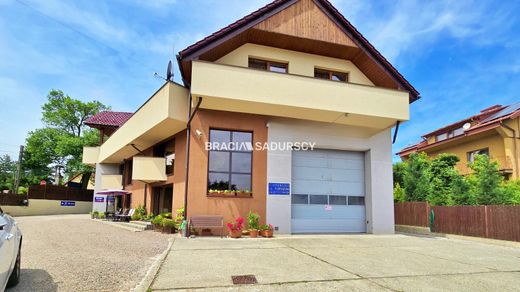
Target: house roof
{"x":488,"y":118}
{"x":270,"y":9}
{"x":108,"y":119}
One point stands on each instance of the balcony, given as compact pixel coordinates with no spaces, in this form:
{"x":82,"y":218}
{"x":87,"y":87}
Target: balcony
{"x":163,"y":115}
{"x":240,"y":89}
{"x":111,"y":181}
{"x":90,"y":155}
{"x":505,"y":165}
{"x":149,"y":169}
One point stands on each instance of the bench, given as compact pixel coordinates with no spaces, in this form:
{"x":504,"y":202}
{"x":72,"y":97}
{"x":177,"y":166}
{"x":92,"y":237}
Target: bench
{"x":207,"y":221}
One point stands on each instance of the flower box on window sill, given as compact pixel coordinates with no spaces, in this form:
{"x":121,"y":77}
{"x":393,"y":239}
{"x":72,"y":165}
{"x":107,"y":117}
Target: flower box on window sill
{"x":239,"y":194}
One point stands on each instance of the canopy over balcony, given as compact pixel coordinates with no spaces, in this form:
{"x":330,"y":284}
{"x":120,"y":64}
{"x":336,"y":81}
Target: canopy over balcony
{"x":162,"y":116}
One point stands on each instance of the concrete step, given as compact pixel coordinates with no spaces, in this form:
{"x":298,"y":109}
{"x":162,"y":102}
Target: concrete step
{"x":146,"y":224}
{"x":125,"y":225}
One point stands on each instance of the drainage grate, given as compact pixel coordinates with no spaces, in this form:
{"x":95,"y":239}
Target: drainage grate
{"x":244,"y":279}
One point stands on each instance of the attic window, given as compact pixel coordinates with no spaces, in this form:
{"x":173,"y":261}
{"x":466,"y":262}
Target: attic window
{"x":267,"y":65}
{"x":330,"y":75}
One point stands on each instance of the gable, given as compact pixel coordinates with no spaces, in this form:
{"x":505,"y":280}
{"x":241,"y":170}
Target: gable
{"x":305,"y":19}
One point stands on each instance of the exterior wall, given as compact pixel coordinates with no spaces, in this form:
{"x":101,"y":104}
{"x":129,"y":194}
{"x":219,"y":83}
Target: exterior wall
{"x":512,"y":145}
{"x":198,"y":201}
{"x":491,"y":140}
{"x":378,"y":169}
{"x":101,"y":170}
{"x":299,"y":63}
{"x":47,"y":207}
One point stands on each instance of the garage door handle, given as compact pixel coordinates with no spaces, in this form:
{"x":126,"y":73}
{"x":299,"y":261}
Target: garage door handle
{"x":9,"y":236}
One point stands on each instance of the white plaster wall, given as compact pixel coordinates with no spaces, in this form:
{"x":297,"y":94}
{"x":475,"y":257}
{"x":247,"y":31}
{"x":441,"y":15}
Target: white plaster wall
{"x":378,"y":159}
{"x":102,"y":169}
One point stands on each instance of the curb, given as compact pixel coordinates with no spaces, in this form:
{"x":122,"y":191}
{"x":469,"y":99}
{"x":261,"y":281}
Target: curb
{"x":405,"y":229}
{"x":146,"y":282}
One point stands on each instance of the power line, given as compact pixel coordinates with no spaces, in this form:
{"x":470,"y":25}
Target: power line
{"x":83,"y":34}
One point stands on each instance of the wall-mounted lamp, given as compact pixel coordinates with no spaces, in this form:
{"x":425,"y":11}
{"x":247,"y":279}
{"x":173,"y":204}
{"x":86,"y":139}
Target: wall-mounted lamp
{"x":198,"y":133}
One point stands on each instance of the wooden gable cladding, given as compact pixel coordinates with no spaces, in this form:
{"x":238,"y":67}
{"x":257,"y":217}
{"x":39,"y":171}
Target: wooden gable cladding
{"x":305,"y":19}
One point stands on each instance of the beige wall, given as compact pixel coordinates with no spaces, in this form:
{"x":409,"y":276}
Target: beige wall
{"x":112,"y":181}
{"x":47,"y":207}
{"x":491,"y":140}
{"x":299,"y":63}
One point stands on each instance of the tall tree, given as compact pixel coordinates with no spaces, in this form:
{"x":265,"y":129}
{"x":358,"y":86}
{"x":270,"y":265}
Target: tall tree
{"x":485,"y":181}
{"x":7,"y":169}
{"x":417,"y":177}
{"x":61,"y":142}
{"x":444,"y":176}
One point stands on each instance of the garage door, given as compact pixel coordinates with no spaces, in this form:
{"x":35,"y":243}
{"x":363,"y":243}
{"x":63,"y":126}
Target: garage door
{"x":328,"y":191}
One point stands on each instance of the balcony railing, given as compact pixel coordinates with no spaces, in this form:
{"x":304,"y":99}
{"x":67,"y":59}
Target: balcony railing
{"x":111,"y":181}
{"x":90,"y":155}
{"x":149,"y":169}
{"x":505,"y":164}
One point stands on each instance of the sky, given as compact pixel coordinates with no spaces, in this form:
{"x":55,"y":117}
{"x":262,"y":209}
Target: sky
{"x":462,"y":56}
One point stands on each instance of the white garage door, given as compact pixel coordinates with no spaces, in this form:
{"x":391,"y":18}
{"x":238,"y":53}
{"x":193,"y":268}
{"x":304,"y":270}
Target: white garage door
{"x":328,"y":191}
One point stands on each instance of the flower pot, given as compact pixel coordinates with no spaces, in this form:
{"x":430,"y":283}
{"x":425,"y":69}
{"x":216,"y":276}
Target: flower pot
{"x":157,"y":227}
{"x":267,"y":233}
{"x":253,"y":233}
{"x":235,"y":233}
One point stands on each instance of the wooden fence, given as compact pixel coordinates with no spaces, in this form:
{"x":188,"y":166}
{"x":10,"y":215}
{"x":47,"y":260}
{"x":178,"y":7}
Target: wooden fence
{"x":412,"y":213}
{"x":12,"y":199}
{"x":493,"y":221}
{"x":51,"y":192}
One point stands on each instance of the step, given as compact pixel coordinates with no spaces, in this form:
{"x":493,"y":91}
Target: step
{"x":124,"y":225}
{"x":147,"y":224}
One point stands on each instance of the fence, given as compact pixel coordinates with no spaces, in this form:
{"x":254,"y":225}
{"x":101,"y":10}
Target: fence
{"x":493,"y":221}
{"x":50,"y":192}
{"x":412,"y":213}
{"x":12,"y":199}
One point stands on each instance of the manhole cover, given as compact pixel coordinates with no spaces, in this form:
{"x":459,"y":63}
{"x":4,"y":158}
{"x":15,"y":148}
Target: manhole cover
{"x":244,"y":279}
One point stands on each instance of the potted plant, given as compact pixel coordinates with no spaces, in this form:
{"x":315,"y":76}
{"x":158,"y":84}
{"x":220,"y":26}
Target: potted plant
{"x":266,"y":230}
{"x":94,"y":215}
{"x":235,"y":229}
{"x":229,"y":193}
{"x":244,"y":193}
{"x":168,"y":226}
{"x":253,"y":224}
{"x":157,"y":223}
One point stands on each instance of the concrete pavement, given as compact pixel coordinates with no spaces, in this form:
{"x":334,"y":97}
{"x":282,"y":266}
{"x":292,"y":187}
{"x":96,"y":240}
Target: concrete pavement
{"x":339,"y":262}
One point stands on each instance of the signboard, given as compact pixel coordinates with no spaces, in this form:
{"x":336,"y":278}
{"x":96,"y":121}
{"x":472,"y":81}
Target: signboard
{"x":99,"y":199}
{"x":111,"y":199}
{"x":279,"y":188}
{"x":67,"y":204}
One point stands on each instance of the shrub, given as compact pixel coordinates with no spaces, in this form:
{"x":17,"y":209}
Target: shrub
{"x":168,"y":223}
{"x":253,"y":220}
{"x":167,"y":215}
{"x":399,"y":195}
{"x":179,"y":217}
{"x":417,"y":179}
{"x":157,"y":220}
{"x":137,"y":217}
{"x":140,"y":210}
{"x":101,"y":215}
{"x":266,"y":227}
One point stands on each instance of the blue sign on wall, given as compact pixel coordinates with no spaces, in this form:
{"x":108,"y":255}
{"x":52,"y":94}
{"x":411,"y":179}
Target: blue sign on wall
{"x":99,"y":199}
{"x":67,"y":204}
{"x":279,"y":189}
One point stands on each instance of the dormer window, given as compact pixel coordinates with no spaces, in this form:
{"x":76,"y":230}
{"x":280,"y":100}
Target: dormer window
{"x":449,"y":134}
{"x":441,"y":137}
{"x":267,"y":65}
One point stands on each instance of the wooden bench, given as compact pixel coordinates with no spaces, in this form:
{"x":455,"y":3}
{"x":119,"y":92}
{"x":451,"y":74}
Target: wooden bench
{"x":207,"y":221}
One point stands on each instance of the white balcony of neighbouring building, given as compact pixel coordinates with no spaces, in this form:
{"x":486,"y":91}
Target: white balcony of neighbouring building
{"x":90,"y":155}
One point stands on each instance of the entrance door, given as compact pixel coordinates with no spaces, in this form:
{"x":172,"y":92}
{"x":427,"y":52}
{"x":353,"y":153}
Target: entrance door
{"x":162,"y":199}
{"x":328,"y":191}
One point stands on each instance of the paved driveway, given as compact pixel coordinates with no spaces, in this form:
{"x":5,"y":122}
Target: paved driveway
{"x":343,"y":262}
{"x":75,"y":253}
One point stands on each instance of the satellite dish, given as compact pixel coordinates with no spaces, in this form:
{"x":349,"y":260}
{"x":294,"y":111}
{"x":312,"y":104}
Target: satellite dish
{"x":169,"y":73}
{"x":466,"y":126}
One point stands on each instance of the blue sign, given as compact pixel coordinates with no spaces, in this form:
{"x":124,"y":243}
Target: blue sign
{"x":67,"y":204}
{"x":99,"y":199}
{"x":279,"y":189}
{"x":111,"y":199}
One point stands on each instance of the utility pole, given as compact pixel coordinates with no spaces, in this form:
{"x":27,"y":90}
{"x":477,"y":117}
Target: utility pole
{"x":18,"y":171}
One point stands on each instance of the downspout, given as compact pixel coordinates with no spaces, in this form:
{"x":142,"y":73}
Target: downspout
{"x":188,"y":133}
{"x":514,"y":146}
{"x":396,"y":131}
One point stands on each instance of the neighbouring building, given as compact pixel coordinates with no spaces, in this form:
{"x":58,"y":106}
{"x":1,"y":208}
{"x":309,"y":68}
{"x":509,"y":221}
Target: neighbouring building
{"x":292,"y":71}
{"x":494,"y":131}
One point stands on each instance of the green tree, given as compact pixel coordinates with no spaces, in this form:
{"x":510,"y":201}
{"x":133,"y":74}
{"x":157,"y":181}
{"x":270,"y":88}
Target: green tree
{"x":399,"y":170}
{"x":443,"y":178}
{"x":61,"y":142}
{"x":417,"y":177}
{"x":7,"y":170}
{"x":485,"y":181}
{"x":399,"y":194}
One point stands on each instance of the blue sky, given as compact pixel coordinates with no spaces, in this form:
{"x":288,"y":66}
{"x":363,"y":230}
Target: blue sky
{"x":462,"y":56}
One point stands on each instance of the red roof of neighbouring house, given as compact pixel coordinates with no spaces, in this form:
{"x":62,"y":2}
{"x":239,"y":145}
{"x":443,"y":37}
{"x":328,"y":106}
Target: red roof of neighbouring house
{"x":108,"y":119}
{"x":488,"y":118}
{"x":272,"y":8}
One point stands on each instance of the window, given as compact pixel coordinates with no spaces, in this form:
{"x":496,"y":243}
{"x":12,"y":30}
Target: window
{"x":441,"y":137}
{"x":230,"y":162}
{"x":330,"y":75}
{"x":354,"y":200}
{"x":166,"y":150}
{"x":471,"y":154}
{"x":268,"y":65}
{"x":458,"y":131}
